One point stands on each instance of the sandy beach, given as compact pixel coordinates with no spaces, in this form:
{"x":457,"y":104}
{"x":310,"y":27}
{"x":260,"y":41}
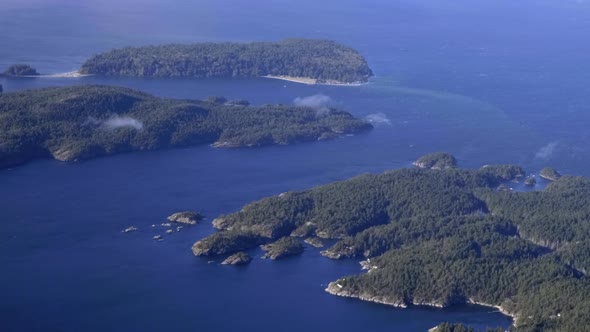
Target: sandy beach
{"x":312,"y":81}
{"x":70,"y":74}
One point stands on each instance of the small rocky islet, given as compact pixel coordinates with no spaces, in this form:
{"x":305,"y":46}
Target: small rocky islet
{"x":550,"y":174}
{"x":186,"y":217}
{"x":239,"y":258}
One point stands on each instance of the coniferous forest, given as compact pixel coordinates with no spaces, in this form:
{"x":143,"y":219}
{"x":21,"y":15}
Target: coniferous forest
{"x":83,"y":122}
{"x":440,"y":237}
{"x":323,"y":60}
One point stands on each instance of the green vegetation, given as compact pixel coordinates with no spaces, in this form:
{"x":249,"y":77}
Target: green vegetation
{"x":549,"y":174}
{"x":503,"y":172}
{"x":319,"y":59}
{"x":447,"y":327}
{"x":20,"y":70}
{"x":437,"y":160}
{"x":445,"y":237}
{"x":284,"y":247}
{"x":530,"y":181}
{"x":83,"y":122}
{"x":314,"y":242}
{"x":226,"y":243}
{"x":186,"y":217}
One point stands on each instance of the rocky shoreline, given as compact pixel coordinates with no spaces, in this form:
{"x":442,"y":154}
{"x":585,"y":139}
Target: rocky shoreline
{"x":335,"y":288}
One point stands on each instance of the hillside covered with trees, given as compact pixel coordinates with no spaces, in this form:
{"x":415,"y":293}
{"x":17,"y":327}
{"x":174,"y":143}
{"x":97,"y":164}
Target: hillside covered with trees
{"x":323,"y":60}
{"x":83,"y":122}
{"x":441,"y":237}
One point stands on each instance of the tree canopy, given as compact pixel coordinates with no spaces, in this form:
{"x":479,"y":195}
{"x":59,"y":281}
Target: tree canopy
{"x":319,"y":59}
{"x":83,"y":122}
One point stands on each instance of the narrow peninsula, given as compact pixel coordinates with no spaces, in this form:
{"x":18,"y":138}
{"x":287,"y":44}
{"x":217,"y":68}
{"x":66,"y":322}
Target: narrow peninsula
{"x":440,"y":237}
{"x":83,"y":122}
{"x":302,"y":60}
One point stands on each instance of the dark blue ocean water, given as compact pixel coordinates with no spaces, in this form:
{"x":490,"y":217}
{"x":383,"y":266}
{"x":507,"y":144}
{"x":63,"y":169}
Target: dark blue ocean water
{"x":489,"y":81}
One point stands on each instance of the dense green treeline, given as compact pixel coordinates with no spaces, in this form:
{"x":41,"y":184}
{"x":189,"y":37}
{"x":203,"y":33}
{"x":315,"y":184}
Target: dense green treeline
{"x":445,"y":237}
{"x":318,"y":59}
{"x":84,"y":122}
{"x":20,"y":70}
{"x":437,"y":160}
{"x":348,"y":207}
{"x":447,"y":327}
{"x":554,"y":217}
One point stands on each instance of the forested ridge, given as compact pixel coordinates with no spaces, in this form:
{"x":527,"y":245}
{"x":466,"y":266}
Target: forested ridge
{"x":83,"y":122}
{"x":442,"y":237}
{"x":319,"y":59}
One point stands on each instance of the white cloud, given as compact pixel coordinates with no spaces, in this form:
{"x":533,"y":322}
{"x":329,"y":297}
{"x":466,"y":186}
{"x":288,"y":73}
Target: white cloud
{"x":547,"y":151}
{"x":318,"y":102}
{"x":114,"y":122}
{"x":121,"y":122}
{"x":378,"y":118}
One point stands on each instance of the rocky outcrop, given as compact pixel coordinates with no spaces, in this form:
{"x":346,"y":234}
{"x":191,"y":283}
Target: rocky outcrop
{"x":337,"y":289}
{"x":305,"y":230}
{"x":314,"y":242}
{"x":129,"y":229}
{"x":332,"y":254}
{"x":530,"y":181}
{"x":284,"y":247}
{"x":550,"y":174}
{"x":240,"y":258}
{"x":187,"y":217}
{"x":221,"y":223}
{"x":437,"y":160}
{"x":226,"y":242}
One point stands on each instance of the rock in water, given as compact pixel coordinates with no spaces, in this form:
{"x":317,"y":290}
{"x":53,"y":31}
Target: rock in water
{"x":530,"y":181}
{"x":240,"y":258}
{"x":129,"y":229}
{"x":187,"y":217}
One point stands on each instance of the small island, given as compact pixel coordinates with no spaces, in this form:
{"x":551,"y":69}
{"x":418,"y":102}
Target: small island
{"x":239,"y":258}
{"x":439,"y":238}
{"x":20,"y":70}
{"x":284,"y":247}
{"x":530,"y":181}
{"x":437,"y":160}
{"x":84,"y":122}
{"x":187,"y":217}
{"x":550,"y":174}
{"x":307,"y":61}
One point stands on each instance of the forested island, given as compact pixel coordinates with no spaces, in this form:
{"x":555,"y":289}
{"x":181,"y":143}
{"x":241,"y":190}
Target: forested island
{"x":20,"y":70}
{"x":83,"y":122}
{"x":321,"y":61}
{"x":440,"y":237}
